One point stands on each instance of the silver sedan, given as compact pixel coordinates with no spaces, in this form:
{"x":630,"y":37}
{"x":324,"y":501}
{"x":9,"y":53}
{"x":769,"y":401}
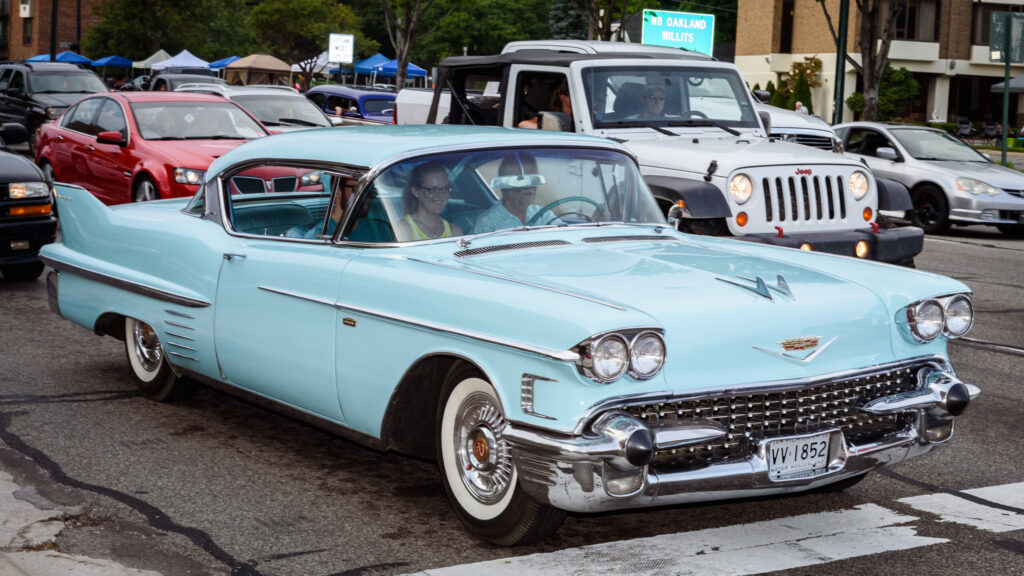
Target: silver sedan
{"x":949,"y":182}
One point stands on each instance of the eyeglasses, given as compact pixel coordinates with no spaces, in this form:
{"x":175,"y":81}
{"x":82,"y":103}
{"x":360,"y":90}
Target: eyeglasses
{"x":658,"y":98}
{"x":436,"y":191}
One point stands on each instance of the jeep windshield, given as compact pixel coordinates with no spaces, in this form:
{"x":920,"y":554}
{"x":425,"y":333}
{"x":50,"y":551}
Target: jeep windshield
{"x":64,"y":83}
{"x":632,"y":96}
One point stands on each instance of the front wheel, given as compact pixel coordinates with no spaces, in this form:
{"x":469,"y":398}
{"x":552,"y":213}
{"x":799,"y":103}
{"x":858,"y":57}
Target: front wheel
{"x":145,"y":190}
{"x":153,"y":375}
{"x":477,"y":470}
{"x":931,"y":210}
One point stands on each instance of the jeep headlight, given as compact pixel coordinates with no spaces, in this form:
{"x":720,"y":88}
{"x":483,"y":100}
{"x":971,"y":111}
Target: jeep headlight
{"x":858,"y":185}
{"x":189,"y":176}
{"x":741,"y":188}
{"x":20,"y":190}
{"x":53,"y":112}
{"x":975,"y":187}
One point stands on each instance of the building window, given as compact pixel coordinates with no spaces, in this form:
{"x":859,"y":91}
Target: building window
{"x":918,"y":20}
{"x":982,"y":17}
{"x":4,"y":27}
{"x":26,"y":32}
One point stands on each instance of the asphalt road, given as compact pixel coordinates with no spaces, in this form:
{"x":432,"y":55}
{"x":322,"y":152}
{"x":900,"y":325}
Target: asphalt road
{"x":214,"y":485}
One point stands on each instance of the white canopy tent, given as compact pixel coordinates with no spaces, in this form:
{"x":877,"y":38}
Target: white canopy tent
{"x":158,"y":56}
{"x":183,"y":59}
{"x":320,"y":64}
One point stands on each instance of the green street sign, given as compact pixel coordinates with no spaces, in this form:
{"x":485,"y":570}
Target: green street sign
{"x":1006,"y":37}
{"x":679,"y":30}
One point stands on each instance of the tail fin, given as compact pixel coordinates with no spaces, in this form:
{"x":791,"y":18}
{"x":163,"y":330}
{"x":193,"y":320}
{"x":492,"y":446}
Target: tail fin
{"x":81,"y":215}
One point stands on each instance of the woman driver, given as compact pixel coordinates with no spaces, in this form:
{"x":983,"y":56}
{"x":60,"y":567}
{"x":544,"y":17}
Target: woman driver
{"x":424,"y":198}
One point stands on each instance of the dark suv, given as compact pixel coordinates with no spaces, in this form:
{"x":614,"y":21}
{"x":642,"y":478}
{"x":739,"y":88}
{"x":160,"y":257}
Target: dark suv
{"x":34,"y":92}
{"x":26,"y":210}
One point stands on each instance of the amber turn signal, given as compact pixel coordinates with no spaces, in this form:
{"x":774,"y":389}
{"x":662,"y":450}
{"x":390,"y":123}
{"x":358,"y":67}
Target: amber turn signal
{"x":868,"y":213}
{"x":36,"y":210}
{"x":741,"y":219}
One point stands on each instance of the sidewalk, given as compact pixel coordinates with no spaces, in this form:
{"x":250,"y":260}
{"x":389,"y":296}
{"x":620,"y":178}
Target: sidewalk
{"x":29,"y":525}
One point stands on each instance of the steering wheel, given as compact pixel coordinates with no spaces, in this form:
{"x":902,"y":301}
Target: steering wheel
{"x":693,"y":114}
{"x":561,"y":201}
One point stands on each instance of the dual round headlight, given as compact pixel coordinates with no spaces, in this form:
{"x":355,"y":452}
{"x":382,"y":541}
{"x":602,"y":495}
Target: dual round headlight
{"x":612,"y":355}
{"x":952,"y":316}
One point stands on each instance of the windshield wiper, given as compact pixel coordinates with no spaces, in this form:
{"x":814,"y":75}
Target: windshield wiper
{"x":638,"y":124}
{"x":215,"y":137}
{"x":705,"y":122}
{"x":298,"y":121}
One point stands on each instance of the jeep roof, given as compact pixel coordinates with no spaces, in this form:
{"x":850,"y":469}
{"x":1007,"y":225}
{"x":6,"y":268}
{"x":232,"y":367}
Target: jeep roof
{"x":601,"y":47}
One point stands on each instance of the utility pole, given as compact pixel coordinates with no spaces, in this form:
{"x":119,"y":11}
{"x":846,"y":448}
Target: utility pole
{"x":840,"y":88}
{"x":53,"y":31}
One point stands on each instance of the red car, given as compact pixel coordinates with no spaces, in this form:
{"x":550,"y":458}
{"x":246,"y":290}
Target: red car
{"x":136,"y":146}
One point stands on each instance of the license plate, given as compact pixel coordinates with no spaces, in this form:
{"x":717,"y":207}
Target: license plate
{"x":792,"y":456}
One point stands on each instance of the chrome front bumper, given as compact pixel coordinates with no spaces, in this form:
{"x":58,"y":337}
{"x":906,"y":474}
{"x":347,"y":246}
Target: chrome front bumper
{"x":601,"y":471}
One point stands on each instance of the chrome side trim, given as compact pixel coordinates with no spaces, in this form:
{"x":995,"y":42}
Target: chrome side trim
{"x":182,"y":346}
{"x":619,"y":402}
{"x":172,"y":353}
{"x":182,"y":336}
{"x":176,"y":324}
{"x":122,"y":284}
{"x":299,"y":296}
{"x":179,"y":314}
{"x":483,"y":272}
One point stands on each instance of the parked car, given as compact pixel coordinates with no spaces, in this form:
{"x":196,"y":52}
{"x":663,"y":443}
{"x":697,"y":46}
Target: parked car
{"x":168,"y":82}
{"x":354,"y":105}
{"x":949,"y":181}
{"x":26,"y":210}
{"x":513,"y":303}
{"x":35,"y":92}
{"x":136,"y":146}
{"x":279,"y":108}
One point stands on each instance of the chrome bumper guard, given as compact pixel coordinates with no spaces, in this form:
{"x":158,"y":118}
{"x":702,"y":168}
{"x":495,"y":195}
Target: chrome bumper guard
{"x":610,"y":470}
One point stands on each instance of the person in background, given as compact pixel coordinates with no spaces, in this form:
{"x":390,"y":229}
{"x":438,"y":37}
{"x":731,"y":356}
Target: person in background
{"x":559,"y":114}
{"x":800,"y":107}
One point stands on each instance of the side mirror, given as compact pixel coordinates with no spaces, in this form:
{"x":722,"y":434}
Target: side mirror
{"x":111,"y":137}
{"x":766,"y":119}
{"x":987,"y":156}
{"x":13,"y":133}
{"x":763,"y":95}
{"x":887,"y":153}
{"x":336,"y":120}
{"x":675,"y":215}
{"x":18,"y":92}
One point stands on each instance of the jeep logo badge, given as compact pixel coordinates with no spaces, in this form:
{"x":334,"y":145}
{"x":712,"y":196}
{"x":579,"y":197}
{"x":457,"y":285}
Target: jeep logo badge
{"x":804,"y":171}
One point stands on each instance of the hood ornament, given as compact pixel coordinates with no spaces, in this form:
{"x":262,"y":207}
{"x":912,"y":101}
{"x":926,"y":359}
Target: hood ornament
{"x":762,"y":288}
{"x":791,"y":348}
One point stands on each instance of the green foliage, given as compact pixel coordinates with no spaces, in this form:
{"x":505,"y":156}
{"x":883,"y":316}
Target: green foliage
{"x":567,"y":20}
{"x":770,"y":87}
{"x":484,"y":27}
{"x":757,"y":86}
{"x":896,"y":93}
{"x":801,"y":93}
{"x":296,"y":30}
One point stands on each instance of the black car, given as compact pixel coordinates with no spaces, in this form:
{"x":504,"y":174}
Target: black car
{"x":27,"y":220}
{"x":34,"y":92}
{"x":165,"y":81}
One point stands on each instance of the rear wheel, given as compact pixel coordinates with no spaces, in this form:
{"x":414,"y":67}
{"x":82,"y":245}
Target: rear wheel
{"x":153,"y":375}
{"x":931,"y":210}
{"x":145,"y":190}
{"x":22,"y":272}
{"x":477,"y":470}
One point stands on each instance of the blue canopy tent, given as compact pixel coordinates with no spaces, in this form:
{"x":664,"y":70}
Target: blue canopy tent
{"x":113,"y":62}
{"x":218,"y":64}
{"x":389,"y":69}
{"x":366,"y":66}
{"x":66,"y":56}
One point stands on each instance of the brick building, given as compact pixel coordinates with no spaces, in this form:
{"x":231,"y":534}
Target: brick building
{"x":943,"y":42}
{"x":25,"y":26}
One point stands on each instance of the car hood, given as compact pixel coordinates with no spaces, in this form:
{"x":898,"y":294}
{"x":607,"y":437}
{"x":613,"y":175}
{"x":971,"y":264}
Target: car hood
{"x":59,"y":100}
{"x":194,"y":153}
{"x":988,"y":172}
{"x":16,"y":168}
{"x":665,"y":152}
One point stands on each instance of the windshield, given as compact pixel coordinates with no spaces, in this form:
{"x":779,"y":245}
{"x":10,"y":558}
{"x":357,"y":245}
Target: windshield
{"x":449,"y":195}
{"x":64,"y":83}
{"x":673,"y":96}
{"x":935,"y":145}
{"x":194,"y":121}
{"x":278,"y":109}
{"x":379,"y":105}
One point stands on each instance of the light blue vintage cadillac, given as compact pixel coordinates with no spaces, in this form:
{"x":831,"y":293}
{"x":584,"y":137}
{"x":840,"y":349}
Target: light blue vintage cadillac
{"x":513,"y":304}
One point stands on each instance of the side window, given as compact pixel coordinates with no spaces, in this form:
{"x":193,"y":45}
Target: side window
{"x":5,"y":78}
{"x":866,"y":142}
{"x":111,"y":118}
{"x":542,"y":102}
{"x":82,"y":117}
{"x":17,"y":82}
{"x":317,"y":98}
{"x":284,"y":201}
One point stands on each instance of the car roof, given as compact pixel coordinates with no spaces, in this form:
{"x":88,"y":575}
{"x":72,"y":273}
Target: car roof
{"x":228,"y":90}
{"x":162,"y":96}
{"x":48,"y":66}
{"x":352,"y":91}
{"x":369,"y":146}
{"x":884,"y":126}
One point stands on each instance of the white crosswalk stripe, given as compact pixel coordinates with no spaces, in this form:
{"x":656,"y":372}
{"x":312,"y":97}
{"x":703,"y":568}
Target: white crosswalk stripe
{"x":952,"y":508}
{"x":732,"y":550}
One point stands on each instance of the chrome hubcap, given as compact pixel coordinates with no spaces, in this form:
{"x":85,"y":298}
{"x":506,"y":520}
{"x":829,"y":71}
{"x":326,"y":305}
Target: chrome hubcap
{"x":147,"y":346}
{"x":146,"y":192}
{"x":480,"y":451}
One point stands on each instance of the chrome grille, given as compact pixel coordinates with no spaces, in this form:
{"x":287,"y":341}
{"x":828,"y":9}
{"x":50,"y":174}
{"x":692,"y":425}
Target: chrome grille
{"x":804,"y":198}
{"x":752,"y":417}
{"x":823,"y":142}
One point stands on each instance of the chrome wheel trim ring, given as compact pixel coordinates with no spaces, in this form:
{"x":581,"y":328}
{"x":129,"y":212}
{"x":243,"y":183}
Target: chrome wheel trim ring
{"x":146,"y":191}
{"x":147,"y":346}
{"x":481,"y":453}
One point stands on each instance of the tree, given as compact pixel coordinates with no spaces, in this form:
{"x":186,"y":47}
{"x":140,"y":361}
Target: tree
{"x":567,"y":20}
{"x":402,"y":19}
{"x":877,"y":30}
{"x":484,"y":27}
{"x":897,"y":91}
{"x":801,"y":93}
{"x":602,"y":14}
{"x":299,"y":30}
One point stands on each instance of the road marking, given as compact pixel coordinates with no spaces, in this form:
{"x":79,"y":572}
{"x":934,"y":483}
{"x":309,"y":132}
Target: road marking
{"x":755,"y":548}
{"x":951,"y":508}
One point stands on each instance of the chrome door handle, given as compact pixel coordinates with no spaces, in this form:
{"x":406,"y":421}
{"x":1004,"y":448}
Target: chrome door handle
{"x":229,"y":257}
{"x":90,"y":148}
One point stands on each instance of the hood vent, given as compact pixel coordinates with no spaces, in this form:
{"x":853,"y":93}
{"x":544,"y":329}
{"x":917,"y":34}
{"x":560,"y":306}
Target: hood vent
{"x":507,"y":247}
{"x":636,"y":238}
